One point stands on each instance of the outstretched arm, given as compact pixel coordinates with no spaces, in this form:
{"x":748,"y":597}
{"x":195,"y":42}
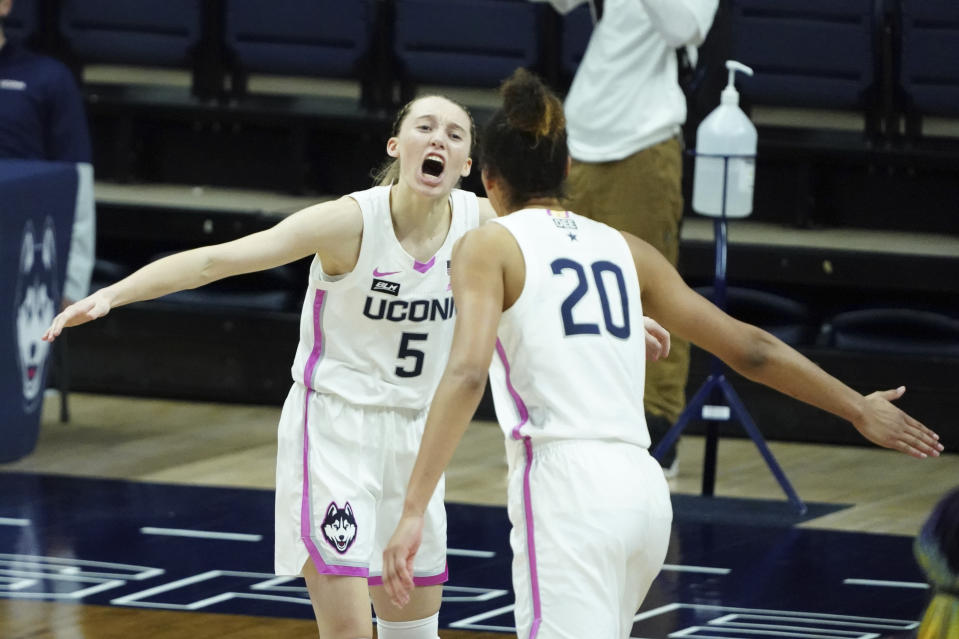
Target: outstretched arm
{"x":331,"y":229}
{"x":761,"y":357}
{"x":477,"y":278}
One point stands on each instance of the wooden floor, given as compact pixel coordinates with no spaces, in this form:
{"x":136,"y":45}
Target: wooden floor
{"x":234,"y":445}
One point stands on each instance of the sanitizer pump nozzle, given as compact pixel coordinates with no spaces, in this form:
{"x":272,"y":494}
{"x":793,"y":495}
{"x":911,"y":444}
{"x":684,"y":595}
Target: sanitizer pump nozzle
{"x":730,"y":95}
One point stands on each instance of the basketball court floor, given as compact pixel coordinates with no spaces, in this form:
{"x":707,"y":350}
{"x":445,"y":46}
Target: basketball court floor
{"x":138,"y":509}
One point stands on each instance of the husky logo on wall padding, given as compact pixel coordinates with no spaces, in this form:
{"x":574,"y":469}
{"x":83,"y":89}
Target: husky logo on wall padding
{"x":339,"y":527}
{"x":35,"y":306}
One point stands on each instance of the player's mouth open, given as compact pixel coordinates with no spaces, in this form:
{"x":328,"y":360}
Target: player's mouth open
{"x":433,"y":165}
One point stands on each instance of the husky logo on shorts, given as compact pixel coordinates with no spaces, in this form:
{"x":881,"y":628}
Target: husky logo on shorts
{"x":339,"y":527}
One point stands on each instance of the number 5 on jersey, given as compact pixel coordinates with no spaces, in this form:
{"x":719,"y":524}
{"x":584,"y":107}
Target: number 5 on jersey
{"x":414,"y":367}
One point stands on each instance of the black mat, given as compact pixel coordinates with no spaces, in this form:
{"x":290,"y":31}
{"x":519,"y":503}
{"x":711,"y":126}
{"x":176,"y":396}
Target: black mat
{"x":147,"y":545}
{"x":746,"y":512}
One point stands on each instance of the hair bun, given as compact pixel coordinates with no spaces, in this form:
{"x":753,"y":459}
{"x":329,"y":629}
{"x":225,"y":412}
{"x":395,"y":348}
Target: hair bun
{"x":530,"y":107}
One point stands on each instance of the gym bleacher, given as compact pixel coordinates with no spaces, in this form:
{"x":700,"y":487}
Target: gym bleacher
{"x":212,"y":119}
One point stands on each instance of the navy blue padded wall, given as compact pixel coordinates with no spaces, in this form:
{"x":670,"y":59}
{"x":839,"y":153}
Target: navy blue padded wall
{"x":930,"y":55}
{"x":138,"y":32}
{"x":23,"y":21}
{"x":299,"y":37}
{"x":466,"y":42}
{"x":806,"y":53}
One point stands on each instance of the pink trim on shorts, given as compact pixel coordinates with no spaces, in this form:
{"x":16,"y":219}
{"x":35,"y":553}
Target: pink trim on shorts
{"x":429,"y":580}
{"x":527,"y":493}
{"x":530,"y":540}
{"x":306,"y":518}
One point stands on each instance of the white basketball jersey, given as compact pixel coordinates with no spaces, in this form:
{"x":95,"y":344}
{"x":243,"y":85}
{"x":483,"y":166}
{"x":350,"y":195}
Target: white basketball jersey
{"x":571,"y":352}
{"x":381,"y":334}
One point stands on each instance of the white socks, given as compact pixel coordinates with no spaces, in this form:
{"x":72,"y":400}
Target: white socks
{"x":418,"y":629}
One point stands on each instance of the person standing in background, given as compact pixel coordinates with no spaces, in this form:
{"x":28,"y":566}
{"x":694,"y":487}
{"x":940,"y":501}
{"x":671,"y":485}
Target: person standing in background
{"x":624,"y":114}
{"x":42,"y":118}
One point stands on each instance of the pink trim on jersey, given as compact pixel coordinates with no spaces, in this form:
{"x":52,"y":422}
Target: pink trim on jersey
{"x":527,"y":493}
{"x":318,"y":344}
{"x":422,"y":267}
{"x":429,"y":580}
{"x":520,"y":406}
{"x":306,"y":518}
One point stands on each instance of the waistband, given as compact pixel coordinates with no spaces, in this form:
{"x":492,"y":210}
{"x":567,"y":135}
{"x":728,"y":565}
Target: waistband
{"x":516,"y":449}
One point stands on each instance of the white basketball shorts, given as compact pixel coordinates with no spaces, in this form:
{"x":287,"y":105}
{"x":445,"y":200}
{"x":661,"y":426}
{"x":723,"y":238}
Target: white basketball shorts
{"x":591,"y":524}
{"x":340,"y":486}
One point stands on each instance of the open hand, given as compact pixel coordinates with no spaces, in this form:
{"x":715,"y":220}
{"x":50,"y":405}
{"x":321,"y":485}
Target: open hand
{"x":88,"y":309}
{"x":884,"y":424}
{"x":398,"y":559}
{"x":657,"y":340}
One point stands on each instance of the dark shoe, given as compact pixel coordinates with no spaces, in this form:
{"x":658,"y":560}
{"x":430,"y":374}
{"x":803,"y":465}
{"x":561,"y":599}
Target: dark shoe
{"x":658,"y":427}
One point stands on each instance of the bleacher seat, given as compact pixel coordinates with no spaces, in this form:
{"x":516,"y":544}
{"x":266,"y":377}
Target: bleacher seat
{"x":788,"y":319}
{"x":929,"y":73}
{"x":814,"y":96}
{"x":472,"y":43}
{"x":808,"y":53}
{"x":107,"y":272}
{"x":277,"y":289}
{"x":163,"y":33}
{"x":23,"y":21}
{"x":894,"y":331}
{"x":326,"y":38}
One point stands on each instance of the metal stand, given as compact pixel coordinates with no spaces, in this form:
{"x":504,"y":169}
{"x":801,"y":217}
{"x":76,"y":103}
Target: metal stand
{"x":716,"y":401}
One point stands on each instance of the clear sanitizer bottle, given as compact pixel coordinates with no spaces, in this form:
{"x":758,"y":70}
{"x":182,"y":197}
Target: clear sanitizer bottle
{"x":727,"y":131}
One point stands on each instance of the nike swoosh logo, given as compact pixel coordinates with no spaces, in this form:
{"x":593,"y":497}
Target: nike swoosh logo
{"x":378,"y":273}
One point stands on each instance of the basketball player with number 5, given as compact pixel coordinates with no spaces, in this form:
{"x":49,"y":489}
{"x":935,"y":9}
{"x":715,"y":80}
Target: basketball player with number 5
{"x":375,"y":330}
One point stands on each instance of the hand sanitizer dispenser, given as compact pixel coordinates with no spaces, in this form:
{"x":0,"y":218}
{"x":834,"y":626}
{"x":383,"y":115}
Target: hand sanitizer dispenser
{"x":727,"y":131}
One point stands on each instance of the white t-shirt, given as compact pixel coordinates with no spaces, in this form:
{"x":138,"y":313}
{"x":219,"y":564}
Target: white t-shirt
{"x":626,"y":96}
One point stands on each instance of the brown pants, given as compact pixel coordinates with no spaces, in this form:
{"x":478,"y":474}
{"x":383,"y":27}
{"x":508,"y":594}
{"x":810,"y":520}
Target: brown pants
{"x":642,"y":194}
